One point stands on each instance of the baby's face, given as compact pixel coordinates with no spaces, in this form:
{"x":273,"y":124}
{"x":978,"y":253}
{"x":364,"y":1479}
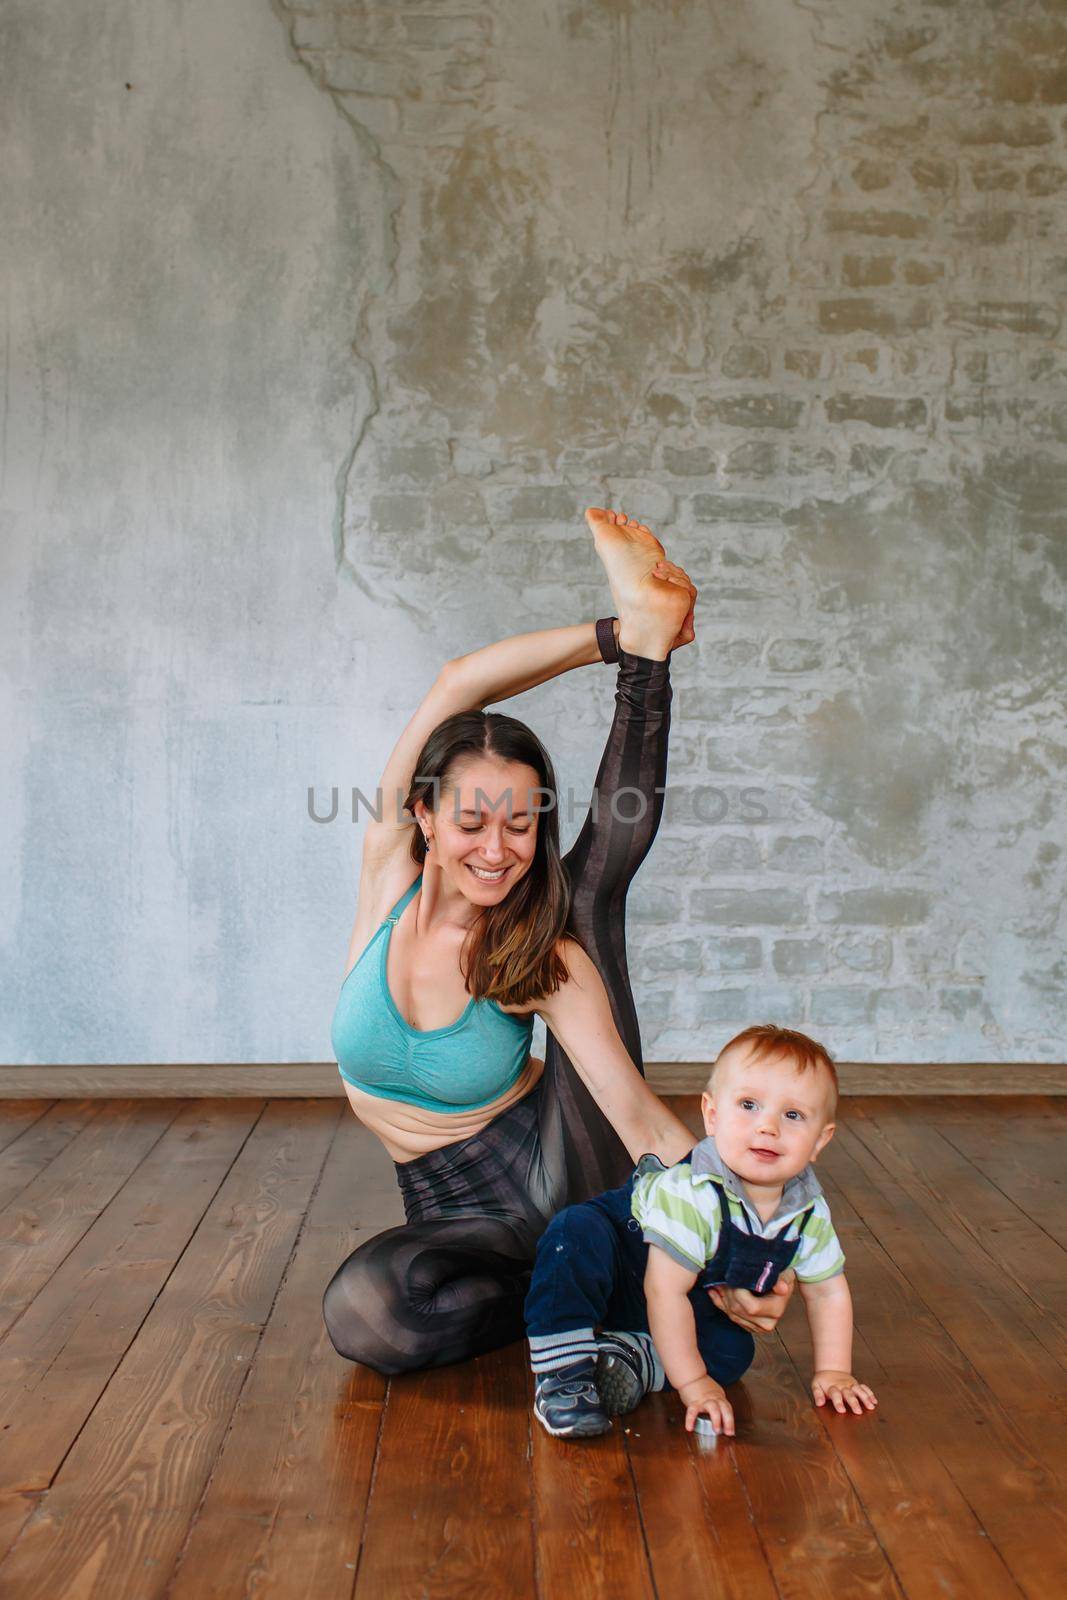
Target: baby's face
{"x":768,"y":1119}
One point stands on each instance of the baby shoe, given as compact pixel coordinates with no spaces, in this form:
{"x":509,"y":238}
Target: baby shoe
{"x":620,"y":1381}
{"x":566,"y":1402}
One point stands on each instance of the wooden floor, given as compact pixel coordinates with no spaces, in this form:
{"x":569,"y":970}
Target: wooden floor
{"x":176,"y":1423}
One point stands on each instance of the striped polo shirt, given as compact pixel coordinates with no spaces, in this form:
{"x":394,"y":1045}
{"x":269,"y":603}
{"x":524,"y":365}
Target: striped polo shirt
{"x":679,"y":1211}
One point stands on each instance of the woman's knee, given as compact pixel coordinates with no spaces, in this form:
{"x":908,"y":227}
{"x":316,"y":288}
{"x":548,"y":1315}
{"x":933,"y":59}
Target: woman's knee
{"x":368,"y":1319}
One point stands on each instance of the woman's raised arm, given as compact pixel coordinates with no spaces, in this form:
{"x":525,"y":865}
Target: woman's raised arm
{"x":470,"y":683}
{"x":498,"y":671}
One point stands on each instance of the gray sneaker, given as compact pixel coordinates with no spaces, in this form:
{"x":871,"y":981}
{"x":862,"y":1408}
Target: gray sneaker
{"x":620,"y":1382}
{"x":566,"y":1403}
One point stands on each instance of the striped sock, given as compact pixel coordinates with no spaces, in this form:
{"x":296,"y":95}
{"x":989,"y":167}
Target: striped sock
{"x":651,"y":1366}
{"x":550,"y":1351}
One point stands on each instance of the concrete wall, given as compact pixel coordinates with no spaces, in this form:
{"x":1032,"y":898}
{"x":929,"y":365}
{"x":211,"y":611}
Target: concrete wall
{"x":323,"y":326}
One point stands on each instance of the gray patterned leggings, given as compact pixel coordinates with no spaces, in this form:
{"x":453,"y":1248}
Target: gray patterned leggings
{"x":450,"y":1283}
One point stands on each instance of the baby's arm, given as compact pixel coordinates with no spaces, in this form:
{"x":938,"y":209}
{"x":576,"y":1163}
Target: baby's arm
{"x":829,"y":1308}
{"x":674,"y":1334}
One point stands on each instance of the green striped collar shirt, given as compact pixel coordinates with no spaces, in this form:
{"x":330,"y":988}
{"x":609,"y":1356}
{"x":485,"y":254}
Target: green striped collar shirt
{"x":678,"y":1209}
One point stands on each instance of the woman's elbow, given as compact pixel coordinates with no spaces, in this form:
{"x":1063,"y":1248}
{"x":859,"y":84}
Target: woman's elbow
{"x":657,"y":1131}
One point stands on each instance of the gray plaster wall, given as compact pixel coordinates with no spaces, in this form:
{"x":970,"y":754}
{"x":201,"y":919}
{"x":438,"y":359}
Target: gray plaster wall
{"x":322,"y":327}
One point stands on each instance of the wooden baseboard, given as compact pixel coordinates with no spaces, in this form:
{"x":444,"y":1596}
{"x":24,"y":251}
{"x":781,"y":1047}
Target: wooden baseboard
{"x":893,"y":1077}
{"x":303,"y":1080}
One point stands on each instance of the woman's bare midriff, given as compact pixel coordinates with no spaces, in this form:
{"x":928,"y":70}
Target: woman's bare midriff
{"x":410,"y":1131}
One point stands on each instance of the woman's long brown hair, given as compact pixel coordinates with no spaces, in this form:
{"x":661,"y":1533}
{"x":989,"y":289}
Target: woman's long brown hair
{"x":510,"y":954}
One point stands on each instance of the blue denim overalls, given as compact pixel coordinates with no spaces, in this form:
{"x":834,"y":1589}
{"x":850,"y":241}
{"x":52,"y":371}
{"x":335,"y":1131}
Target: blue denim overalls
{"x":747,"y":1260}
{"x":742,"y":1259}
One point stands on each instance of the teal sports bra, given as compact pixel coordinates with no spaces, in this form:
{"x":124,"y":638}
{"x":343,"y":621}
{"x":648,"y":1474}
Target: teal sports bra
{"x":471,"y":1063}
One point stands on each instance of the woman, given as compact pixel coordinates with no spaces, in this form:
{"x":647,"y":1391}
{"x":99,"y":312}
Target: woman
{"x":449,"y":965}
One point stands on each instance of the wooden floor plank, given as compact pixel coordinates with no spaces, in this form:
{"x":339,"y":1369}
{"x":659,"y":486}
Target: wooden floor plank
{"x":287,"y":1497}
{"x":37,"y":1145}
{"x":451,"y":1509}
{"x":814,"y":1526}
{"x":590,"y":1542}
{"x":936,"y":1542}
{"x":59,"y":1356}
{"x":1015,"y":1498}
{"x":48,"y":1217}
{"x":115,"y":1517}
{"x":18,"y":1116}
{"x":698,"y":1524}
{"x":984,"y":1312}
{"x":1022,"y":1153}
{"x":950,"y":1189}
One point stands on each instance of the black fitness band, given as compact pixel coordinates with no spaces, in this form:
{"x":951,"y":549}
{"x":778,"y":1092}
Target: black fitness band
{"x":605,"y":638}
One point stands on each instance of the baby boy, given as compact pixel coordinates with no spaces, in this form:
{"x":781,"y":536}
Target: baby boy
{"x":618,"y":1303}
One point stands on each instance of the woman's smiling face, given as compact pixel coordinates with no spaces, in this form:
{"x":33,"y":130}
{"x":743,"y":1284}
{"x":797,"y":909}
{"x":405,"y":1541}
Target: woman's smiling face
{"x":767,"y":1118}
{"x":484,"y":830}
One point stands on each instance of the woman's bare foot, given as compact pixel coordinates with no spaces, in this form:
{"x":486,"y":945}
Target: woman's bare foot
{"x":675,"y":574}
{"x":653,"y":596}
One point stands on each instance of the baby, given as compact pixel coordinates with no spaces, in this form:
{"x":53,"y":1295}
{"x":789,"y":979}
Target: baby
{"x":743,"y":1206}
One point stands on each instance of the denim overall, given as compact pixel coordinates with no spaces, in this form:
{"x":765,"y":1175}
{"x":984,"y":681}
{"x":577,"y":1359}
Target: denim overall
{"x":747,"y":1260}
{"x":742,"y":1259}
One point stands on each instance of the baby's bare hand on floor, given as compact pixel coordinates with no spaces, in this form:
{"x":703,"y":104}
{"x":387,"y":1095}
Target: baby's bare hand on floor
{"x":708,"y":1398}
{"x":841,"y":1389}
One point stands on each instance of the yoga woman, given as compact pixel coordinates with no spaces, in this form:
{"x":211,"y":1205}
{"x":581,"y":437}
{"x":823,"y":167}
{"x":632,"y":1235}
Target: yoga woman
{"x":467,"y":926}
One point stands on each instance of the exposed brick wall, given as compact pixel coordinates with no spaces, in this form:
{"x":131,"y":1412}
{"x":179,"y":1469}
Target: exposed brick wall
{"x":786,"y":281}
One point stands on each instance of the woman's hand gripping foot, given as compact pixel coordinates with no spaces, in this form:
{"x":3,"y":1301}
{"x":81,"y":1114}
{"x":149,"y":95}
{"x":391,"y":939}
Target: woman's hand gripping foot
{"x":654,"y":597}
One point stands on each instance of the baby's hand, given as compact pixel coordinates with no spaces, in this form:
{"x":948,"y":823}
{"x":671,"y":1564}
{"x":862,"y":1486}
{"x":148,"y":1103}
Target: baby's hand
{"x":839,"y":1387}
{"x":705,"y":1395}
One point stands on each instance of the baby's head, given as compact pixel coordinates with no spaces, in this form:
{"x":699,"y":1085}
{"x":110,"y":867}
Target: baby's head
{"x":775,"y":1091}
